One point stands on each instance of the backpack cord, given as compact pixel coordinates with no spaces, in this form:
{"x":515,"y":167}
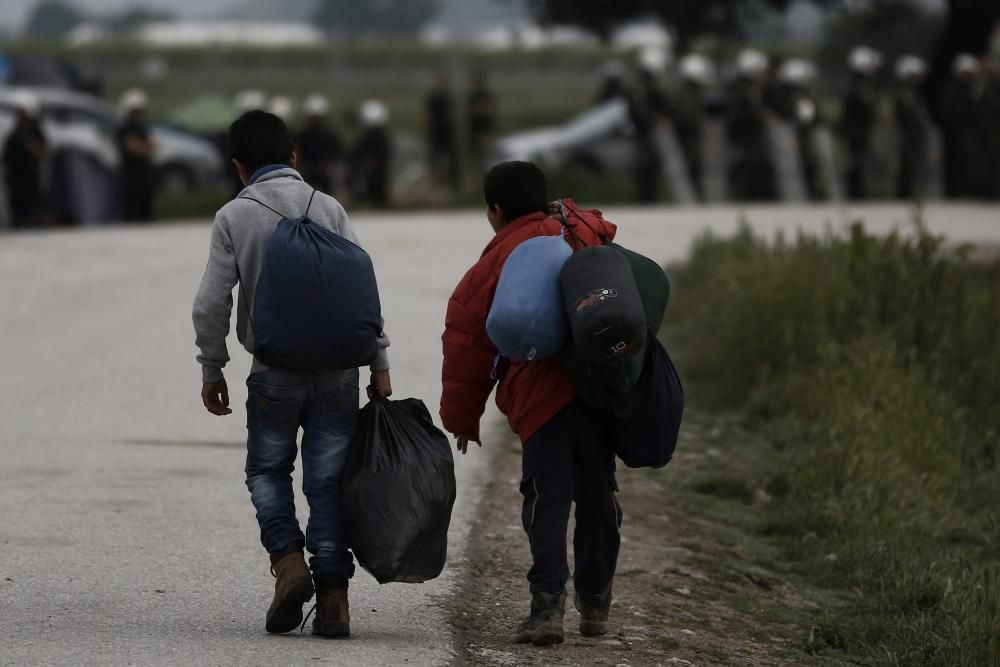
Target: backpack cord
{"x":309,"y":205}
{"x":562,"y":214}
{"x":268,"y":207}
{"x":567,"y":226}
{"x":239,"y":278}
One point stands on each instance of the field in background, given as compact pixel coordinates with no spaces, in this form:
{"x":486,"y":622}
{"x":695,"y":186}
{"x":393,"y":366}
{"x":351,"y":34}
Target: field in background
{"x":533,"y":89}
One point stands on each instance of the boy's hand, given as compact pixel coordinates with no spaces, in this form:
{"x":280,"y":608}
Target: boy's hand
{"x":462,"y":443}
{"x":382,"y":383}
{"x":215,"y":396}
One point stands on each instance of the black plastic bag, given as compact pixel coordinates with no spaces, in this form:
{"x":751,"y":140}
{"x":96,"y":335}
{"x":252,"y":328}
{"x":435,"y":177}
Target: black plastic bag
{"x":647,"y":439}
{"x":398,"y":490}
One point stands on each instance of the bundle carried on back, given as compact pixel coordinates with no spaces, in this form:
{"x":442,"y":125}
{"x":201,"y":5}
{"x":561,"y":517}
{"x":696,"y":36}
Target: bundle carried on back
{"x":316,"y":304}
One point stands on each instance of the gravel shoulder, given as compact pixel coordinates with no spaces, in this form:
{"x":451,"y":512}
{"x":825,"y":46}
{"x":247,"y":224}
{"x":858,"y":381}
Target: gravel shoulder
{"x":687,"y":592}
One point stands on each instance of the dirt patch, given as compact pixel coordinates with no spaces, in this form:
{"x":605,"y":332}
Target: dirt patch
{"x":685,"y":594}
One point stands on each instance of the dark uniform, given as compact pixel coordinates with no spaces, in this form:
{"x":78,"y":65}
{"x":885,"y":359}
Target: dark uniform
{"x":441,"y":136}
{"x":320,"y":153}
{"x":751,"y":169}
{"x":23,"y":159}
{"x":990,"y":122}
{"x":967,"y":152}
{"x":137,"y":172}
{"x":857,"y":120}
{"x":688,"y":115}
{"x":647,"y":107}
{"x":806,"y":120}
{"x":481,"y":121}
{"x":914,"y":123}
{"x":371,"y":166}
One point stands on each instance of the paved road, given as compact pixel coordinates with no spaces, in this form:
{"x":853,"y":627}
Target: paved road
{"x":126,"y":534}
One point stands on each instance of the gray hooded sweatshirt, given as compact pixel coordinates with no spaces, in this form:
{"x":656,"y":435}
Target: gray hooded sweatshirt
{"x":240,"y":234}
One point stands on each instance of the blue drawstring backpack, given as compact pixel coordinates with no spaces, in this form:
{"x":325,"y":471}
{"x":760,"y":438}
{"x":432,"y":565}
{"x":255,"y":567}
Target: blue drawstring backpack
{"x":316,"y":306}
{"x":527,"y":320}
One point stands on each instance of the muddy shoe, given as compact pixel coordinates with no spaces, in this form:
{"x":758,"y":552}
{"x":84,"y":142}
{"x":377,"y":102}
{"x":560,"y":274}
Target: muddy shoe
{"x":333,"y":615}
{"x":292,"y":589}
{"x":545,"y":624}
{"x":593,"y":614}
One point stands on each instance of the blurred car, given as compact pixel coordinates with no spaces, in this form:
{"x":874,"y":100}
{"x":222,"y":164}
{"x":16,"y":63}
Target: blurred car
{"x":183,"y":160}
{"x":599,"y":140}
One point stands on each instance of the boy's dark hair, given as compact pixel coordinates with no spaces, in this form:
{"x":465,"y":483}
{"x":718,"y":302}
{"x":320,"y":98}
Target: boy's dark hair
{"x":516,"y":187}
{"x":258,"y":138}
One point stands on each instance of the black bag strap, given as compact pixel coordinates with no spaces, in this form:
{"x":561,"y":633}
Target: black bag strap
{"x":268,"y":207}
{"x":564,"y":219}
{"x":309,"y":205}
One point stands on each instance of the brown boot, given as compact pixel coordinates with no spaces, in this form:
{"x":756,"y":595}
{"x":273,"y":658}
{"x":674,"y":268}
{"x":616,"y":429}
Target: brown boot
{"x":594,"y":612}
{"x":333,"y":615}
{"x":544,"y":626}
{"x":292,"y":589}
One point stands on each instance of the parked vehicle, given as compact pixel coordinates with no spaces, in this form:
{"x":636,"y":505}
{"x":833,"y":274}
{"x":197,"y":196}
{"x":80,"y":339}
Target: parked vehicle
{"x":183,"y":160}
{"x":599,"y":140}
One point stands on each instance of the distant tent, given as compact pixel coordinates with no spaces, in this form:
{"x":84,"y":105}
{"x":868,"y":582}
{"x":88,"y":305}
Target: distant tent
{"x":84,"y":191}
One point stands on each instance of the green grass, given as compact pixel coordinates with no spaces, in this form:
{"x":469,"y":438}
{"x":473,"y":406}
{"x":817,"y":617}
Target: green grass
{"x":866,"y":371}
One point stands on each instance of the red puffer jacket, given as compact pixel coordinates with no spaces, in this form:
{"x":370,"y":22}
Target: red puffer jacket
{"x":530,"y":393}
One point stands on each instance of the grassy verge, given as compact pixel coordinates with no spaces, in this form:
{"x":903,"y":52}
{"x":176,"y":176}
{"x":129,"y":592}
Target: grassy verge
{"x":866,"y":371}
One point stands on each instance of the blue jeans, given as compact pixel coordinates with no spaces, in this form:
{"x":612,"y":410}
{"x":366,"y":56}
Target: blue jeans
{"x":325,"y":406}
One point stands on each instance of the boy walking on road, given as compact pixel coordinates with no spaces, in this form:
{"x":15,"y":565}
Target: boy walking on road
{"x":324,"y":403}
{"x":567,"y":454}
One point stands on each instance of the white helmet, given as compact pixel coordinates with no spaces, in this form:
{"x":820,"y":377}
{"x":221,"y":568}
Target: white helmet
{"x":373,"y":113}
{"x":864,"y":59}
{"x":133,"y":99}
{"x":316,"y":105}
{"x":654,"y":59}
{"x":910,"y":66}
{"x":281,"y":106}
{"x":965,"y":63}
{"x":25,"y":100}
{"x":249,"y":100}
{"x":751,"y":62}
{"x":697,"y":68}
{"x":797,"y":72}
{"x":805,"y":110}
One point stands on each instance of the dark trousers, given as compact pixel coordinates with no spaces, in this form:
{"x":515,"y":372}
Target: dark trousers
{"x":570,"y":459}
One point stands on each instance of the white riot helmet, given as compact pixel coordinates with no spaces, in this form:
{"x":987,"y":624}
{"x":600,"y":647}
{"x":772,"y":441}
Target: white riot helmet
{"x":965,"y":64}
{"x":316,"y":105}
{"x":282,"y":107}
{"x":864,"y":59}
{"x":697,"y":68}
{"x":25,"y":101}
{"x":249,"y":100}
{"x":373,"y":113}
{"x":805,"y":110}
{"x":133,"y":99}
{"x":751,"y":63}
{"x":797,"y":72}
{"x":654,"y":59}
{"x":910,"y":66}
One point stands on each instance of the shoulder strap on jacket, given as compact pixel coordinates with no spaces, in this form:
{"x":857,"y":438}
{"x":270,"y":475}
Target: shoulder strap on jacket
{"x":268,"y":207}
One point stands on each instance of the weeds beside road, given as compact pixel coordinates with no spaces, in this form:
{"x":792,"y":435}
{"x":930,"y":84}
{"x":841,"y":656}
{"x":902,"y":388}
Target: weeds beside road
{"x":867,"y":373}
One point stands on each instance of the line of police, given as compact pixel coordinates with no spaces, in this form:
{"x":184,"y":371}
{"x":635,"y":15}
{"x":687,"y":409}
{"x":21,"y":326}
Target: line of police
{"x":881,"y":145}
{"x":34,"y":200}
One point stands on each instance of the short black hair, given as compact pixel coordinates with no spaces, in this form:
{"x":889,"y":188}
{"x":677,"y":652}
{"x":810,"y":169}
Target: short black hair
{"x":516,"y":187}
{"x":258,"y":138}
